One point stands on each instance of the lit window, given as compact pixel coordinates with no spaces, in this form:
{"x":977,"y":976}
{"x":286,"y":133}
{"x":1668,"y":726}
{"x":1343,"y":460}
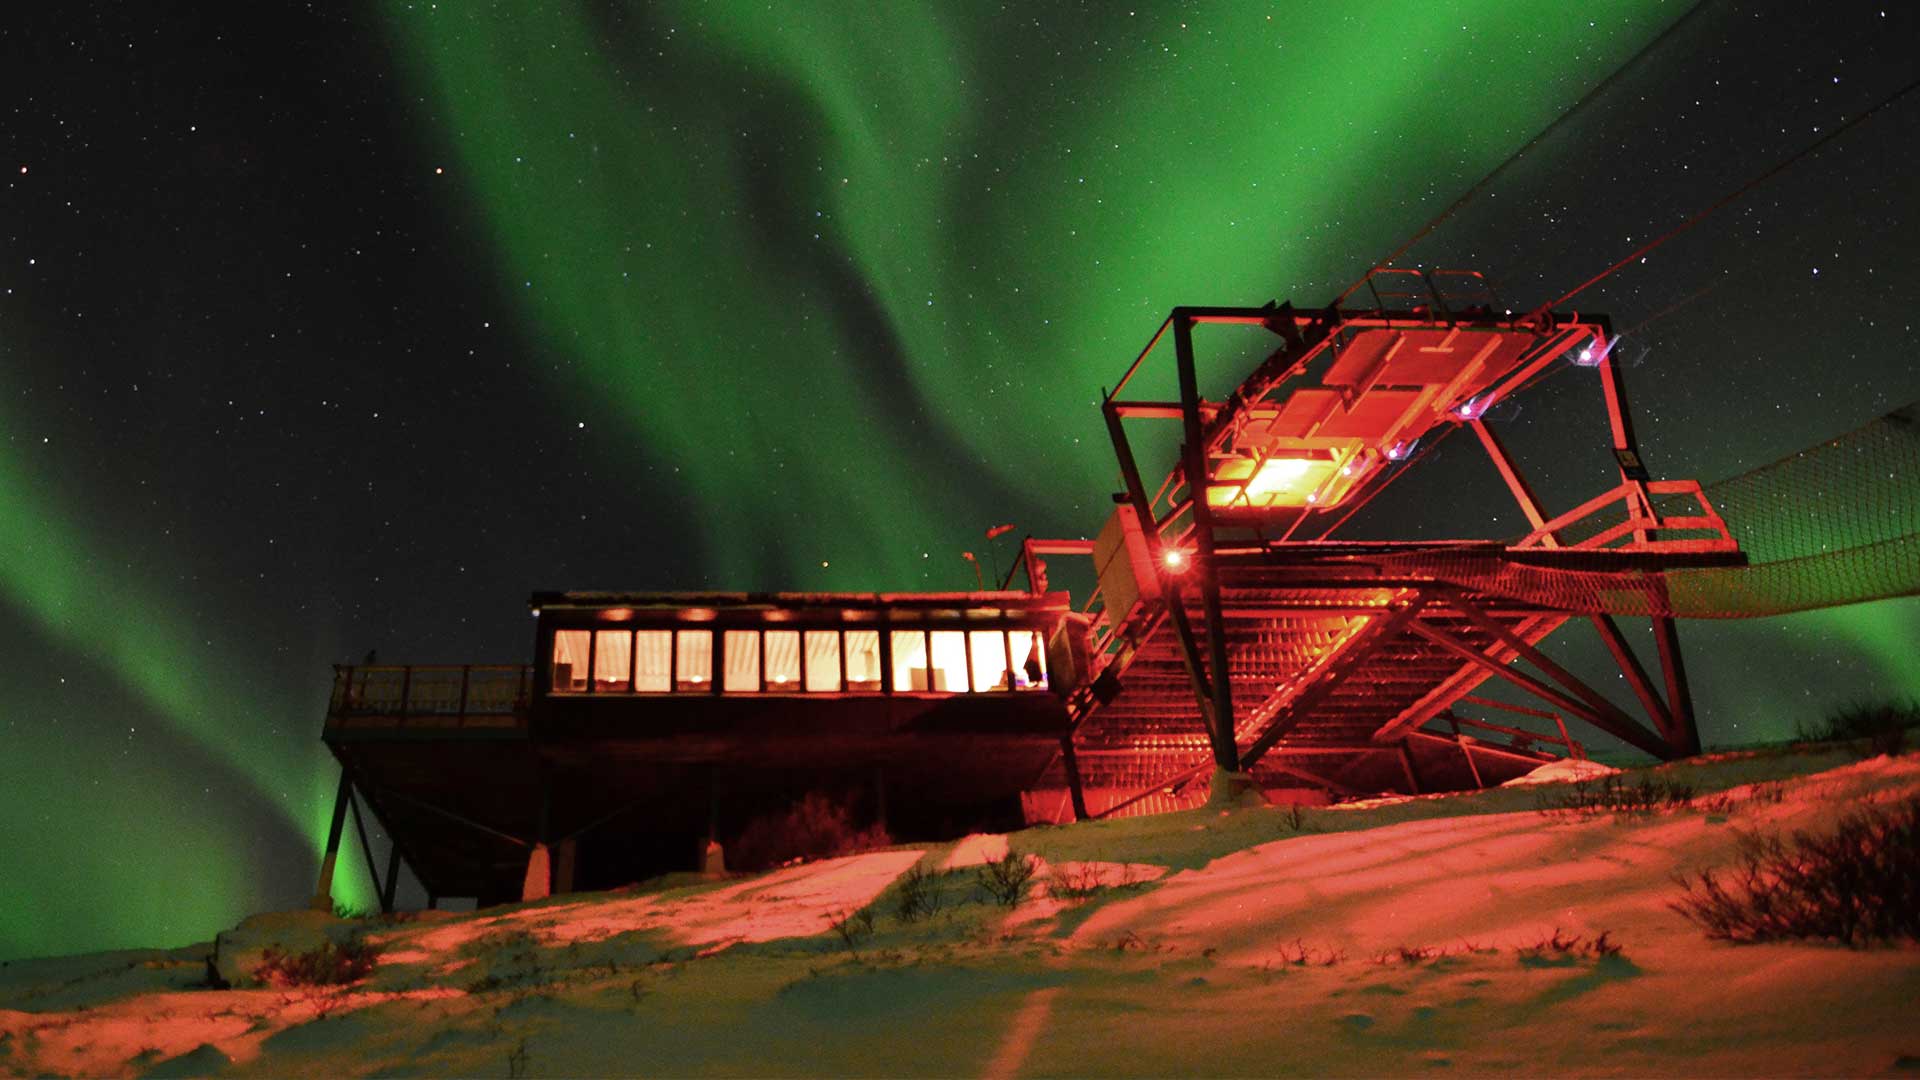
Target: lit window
{"x":909,"y":660}
{"x":653,"y":661}
{"x":570,"y":649}
{"x":783,"y":661}
{"x":823,"y":660}
{"x":743,"y":662}
{"x":693,"y":662}
{"x":863,"y":660}
{"x":1029,"y":660}
{"x":990,"y":660}
{"x":949,"y":660}
{"x":612,"y":661}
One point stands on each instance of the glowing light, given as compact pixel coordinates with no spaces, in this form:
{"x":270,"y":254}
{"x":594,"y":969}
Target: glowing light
{"x":1176,"y":560}
{"x":1277,"y":475}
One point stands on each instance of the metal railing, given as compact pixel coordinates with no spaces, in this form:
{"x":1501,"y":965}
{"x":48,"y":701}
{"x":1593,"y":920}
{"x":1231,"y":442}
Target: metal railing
{"x":399,"y":693}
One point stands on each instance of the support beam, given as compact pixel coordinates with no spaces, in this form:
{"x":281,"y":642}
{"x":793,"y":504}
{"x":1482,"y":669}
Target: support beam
{"x":1543,"y":662}
{"x":458,"y":818}
{"x":1686,"y":733}
{"x":1169,"y":590}
{"x":323,"y":890}
{"x":1517,"y":484}
{"x":1314,"y":778}
{"x":1071,"y":762}
{"x":1147,"y":793}
{"x":1484,"y":747}
{"x":392,"y":879}
{"x":1226,"y":754}
{"x":366,"y":849}
{"x":1473,"y":768}
{"x":1636,"y":675}
{"x":1406,"y":766}
{"x":1628,"y":732}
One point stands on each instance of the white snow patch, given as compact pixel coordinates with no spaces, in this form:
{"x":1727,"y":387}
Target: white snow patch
{"x":1565,"y":770}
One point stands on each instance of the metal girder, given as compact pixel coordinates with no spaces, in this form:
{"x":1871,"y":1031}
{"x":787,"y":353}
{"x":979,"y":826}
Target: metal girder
{"x":1153,"y":789}
{"x":1516,"y":483}
{"x":1544,"y":662}
{"x":1194,"y":456}
{"x":1616,"y":724}
{"x":1685,"y":734}
{"x":366,"y":849}
{"x":323,"y":889}
{"x":1315,"y":779}
{"x":1473,"y":768}
{"x":1636,"y":674}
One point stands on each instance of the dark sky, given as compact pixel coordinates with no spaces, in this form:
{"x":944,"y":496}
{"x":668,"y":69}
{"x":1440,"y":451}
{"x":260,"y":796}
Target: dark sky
{"x":339,"y":329}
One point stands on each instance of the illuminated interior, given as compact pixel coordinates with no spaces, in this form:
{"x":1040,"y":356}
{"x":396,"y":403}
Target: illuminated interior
{"x":780,"y":661}
{"x":1285,"y":477}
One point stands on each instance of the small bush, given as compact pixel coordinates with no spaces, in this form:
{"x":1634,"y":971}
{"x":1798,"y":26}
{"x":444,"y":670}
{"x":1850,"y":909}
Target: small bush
{"x":816,"y":827}
{"x":1770,"y":793}
{"x":1295,"y":817}
{"x":1857,"y":885}
{"x":1564,"y":948}
{"x":853,"y":927}
{"x":1612,"y":795}
{"x":1880,"y":727}
{"x":1081,"y":880}
{"x":1298,"y":954}
{"x":1006,"y":878}
{"x":918,"y":894}
{"x":327,"y":965}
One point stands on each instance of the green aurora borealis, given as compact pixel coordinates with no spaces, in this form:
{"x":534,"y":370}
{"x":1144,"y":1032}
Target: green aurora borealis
{"x":689,"y":295}
{"x":950,"y":248}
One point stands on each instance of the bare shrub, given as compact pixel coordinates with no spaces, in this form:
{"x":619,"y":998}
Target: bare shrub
{"x":1857,"y":885}
{"x":329,"y":964}
{"x":1078,"y":881}
{"x":918,"y":894}
{"x":1612,"y":795}
{"x":1299,"y":954}
{"x":1564,"y":948}
{"x":853,"y":927}
{"x":1878,"y":727}
{"x":816,"y":827}
{"x":1006,"y":877}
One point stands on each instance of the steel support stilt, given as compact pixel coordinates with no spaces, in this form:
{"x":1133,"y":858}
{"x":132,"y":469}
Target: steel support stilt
{"x":1686,"y":734}
{"x":1226,"y":754}
{"x":392,"y":880}
{"x":1071,"y":761}
{"x":323,"y":889}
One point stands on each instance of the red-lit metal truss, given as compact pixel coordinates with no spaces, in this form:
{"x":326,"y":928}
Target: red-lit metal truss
{"x":1231,"y":631}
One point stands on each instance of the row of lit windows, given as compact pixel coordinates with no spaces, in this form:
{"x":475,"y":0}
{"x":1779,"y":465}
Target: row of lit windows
{"x":796,"y":661}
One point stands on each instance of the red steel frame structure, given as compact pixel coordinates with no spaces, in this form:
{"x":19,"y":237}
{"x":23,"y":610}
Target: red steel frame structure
{"x":1346,"y":650}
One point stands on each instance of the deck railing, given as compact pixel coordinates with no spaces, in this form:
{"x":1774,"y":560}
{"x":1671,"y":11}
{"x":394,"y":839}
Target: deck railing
{"x":480,"y":695}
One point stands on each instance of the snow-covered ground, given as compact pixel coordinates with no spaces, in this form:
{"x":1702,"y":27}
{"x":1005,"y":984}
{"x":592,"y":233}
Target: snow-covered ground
{"x":1385,"y":940}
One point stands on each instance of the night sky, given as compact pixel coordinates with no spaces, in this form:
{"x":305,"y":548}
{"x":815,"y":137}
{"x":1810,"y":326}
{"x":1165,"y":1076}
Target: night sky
{"x":345,"y":329}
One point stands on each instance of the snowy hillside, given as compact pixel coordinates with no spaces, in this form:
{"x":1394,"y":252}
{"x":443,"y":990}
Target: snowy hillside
{"x":1468,"y":934}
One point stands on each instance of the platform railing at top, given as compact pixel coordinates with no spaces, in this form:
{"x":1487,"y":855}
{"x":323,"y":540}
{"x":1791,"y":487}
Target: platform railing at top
{"x":430,"y":690}
{"x":1642,"y":525}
